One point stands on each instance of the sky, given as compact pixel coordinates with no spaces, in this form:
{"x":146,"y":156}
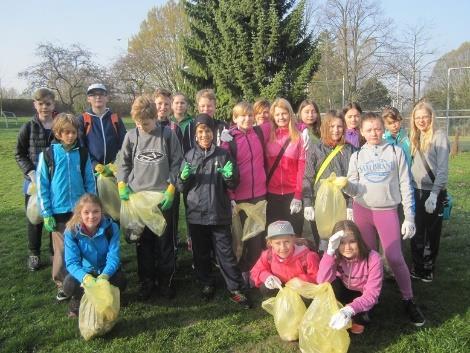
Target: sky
{"x":103,"y":27}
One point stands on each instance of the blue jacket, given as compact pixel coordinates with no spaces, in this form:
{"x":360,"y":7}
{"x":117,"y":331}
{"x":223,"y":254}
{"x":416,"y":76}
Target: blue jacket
{"x":92,"y":254}
{"x":102,"y":141}
{"x":60,"y":194}
{"x":401,"y":140}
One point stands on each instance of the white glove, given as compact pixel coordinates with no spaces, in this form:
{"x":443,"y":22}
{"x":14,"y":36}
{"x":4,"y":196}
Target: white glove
{"x":235,"y":208}
{"x":333,"y":242}
{"x":342,"y":318}
{"x":295,"y":206}
{"x":430,"y":204}
{"x":309,"y":214}
{"x":306,"y":138}
{"x":408,"y":229}
{"x":272,"y":282}
{"x":225,"y":136}
{"x":349,"y":214}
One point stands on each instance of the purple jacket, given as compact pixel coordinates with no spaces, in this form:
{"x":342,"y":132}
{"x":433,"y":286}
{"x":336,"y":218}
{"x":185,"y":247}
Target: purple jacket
{"x":364,"y":276}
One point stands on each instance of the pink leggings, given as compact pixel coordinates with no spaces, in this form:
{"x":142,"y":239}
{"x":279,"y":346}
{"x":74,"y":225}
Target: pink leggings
{"x":386,"y":224}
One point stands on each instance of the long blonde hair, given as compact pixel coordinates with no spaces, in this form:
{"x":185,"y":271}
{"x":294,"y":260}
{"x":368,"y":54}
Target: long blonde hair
{"x":284,"y":104}
{"x":76,"y":218}
{"x":420,"y":141}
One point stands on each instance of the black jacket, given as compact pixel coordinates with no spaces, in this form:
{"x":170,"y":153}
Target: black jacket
{"x":32,"y":140}
{"x":205,"y":191}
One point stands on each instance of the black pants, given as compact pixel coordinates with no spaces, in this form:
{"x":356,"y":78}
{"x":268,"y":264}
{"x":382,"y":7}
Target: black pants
{"x":278,"y":208}
{"x":252,"y":248}
{"x":72,"y":286}
{"x":346,"y":296}
{"x":425,"y":243}
{"x":35,"y":234}
{"x":176,"y":216}
{"x":219,"y":239}
{"x":156,"y":257}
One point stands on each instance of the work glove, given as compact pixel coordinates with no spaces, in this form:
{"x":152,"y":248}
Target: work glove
{"x":227,"y":170}
{"x":342,"y":318}
{"x":306,"y":138}
{"x":49,"y":223}
{"x":235,"y":208}
{"x":333,"y":242}
{"x":124,"y":191}
{"x":408,"y":229}
{"x":349,"y":214}
{"x":104,"y":170}
{"x":88,"y":280}
{"x":168,"y":197}
{"x":430,"y":204}
{"x":225,"y":136}
{"x":186,"y":172}
{"x":295,"y":206}
{"x":102,"y":277}
{"x":273,"y":282}
{"x":309,"y":214}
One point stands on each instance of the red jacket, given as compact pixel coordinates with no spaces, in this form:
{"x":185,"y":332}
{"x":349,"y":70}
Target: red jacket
{"x":288,"y":176}
{"x":303,"y":264}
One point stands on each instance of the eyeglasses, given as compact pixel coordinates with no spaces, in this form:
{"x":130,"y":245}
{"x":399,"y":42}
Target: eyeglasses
{"x":96,"y":95}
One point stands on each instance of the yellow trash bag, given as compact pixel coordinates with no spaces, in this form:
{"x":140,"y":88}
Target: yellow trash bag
{"x":315,"y":334}
{"x":32,"y":209}
{"x":255,"y":223}
{"x":109,"y":195}
{"x":330,"y":205}
{"x":288,"y":310}
{"x":99,"y":309}
{"x":145,"y":203}
{"x":131,"y":224}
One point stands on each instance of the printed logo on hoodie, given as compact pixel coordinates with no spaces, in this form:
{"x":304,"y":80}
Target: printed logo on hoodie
{"x":149,"y":156}
{"x":376,"y":171}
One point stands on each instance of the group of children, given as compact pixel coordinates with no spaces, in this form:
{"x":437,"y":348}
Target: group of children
{"x":270,"y":157}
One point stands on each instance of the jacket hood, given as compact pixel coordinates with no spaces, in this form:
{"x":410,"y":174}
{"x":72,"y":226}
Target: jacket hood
{"x":104,"y":224}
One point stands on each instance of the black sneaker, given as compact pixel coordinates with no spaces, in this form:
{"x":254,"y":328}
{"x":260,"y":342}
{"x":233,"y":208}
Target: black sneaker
{"x":74,"y":306}
{"x":427,"y":277}
{"x":34,"y":262}
{"x":240,"y":298}
{"x":416,"y":274}
{"x":208,"y":292}
{"x":61,"y":296}
{"x":414,"y":312}
{"x":146,"y":289}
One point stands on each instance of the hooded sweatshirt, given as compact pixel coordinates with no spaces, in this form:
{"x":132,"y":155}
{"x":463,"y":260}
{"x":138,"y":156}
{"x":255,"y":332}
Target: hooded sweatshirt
{"x":302,"y":263}
{"x":364,"y":276}
{"x":379,"y":178}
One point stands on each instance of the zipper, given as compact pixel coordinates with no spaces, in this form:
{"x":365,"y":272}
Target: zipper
{"x":104,"y":138}
{"x":252,"y":169}
{"x":67,"y":154}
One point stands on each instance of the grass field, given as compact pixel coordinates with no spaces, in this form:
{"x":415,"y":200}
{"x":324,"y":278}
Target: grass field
{"x":31,"y":320}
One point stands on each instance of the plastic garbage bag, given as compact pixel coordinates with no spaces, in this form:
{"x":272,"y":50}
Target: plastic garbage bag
{"x":146,"y":205}
{"x":288,"y":309}
{"x":32,"y":209}
{"x":330,"y":205}
{"x":131,"y":224}
{"x":99,"y":309}
{"x":315,"y":334}
{"x":109,"y":195}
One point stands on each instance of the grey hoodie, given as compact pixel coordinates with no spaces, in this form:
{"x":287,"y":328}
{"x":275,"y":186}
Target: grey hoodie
{"x":379,"y":178}
{"x":150,"y":161}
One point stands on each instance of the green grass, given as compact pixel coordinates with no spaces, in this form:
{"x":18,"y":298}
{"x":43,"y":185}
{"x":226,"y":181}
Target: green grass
{"x":31,"y":321}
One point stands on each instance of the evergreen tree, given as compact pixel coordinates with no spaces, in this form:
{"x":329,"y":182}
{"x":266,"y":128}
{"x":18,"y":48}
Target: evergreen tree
{"x":247,"y":49}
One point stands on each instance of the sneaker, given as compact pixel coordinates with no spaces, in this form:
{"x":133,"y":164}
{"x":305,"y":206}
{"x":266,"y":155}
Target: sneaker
{"x":208,"y":292}
{"x":414,"y":313}
{"x":74,"y":306}
{"x":34,"y":262}
{"x":61,"y":296}
{"x":146,"y":289}
{"x":416,"y":274}
{"x":240,"y":298}
{"x":356,"y":329}
{"x":427,"y":277}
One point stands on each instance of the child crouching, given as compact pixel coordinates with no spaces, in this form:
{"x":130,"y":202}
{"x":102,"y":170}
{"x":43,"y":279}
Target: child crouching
{"x":283,"y":260}
{"x":91,"y":250}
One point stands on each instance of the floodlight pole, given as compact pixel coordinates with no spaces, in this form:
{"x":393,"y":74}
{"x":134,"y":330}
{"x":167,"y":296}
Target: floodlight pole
{"x":448,"y":95}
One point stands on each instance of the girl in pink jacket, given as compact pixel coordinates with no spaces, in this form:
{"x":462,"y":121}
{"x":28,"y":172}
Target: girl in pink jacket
{"x":283,"y":260}
{"x":356,"y":274}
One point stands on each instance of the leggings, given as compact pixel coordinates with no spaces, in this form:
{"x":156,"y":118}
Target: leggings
{"x":385,"y":223}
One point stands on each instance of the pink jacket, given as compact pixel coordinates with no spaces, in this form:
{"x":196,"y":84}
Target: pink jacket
{"x":250,"y":163}
{"x":359,"y":275}
{"x":288,"y":176}
{"x":303,"y":264}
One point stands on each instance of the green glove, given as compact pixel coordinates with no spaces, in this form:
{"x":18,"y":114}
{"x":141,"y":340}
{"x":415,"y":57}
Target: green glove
{"x":227,"y":170}
{"x":124,"y":191}
{"x":49,"y":223}
{"x":169,"y":195}
{"x":186,"y":172}
{"x":89,"y":280}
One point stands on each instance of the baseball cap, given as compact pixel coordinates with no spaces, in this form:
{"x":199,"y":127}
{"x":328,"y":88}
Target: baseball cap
{"x":279,"y":228}
{"x":96,"y":87}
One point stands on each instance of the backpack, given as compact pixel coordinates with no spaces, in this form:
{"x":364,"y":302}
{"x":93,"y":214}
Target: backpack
{"x":49,"y":160}
{"x":233,"y":146}
{"x":88,"y":125}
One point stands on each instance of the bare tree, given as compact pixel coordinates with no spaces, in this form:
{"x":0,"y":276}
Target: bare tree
{"x":67,"y":71}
